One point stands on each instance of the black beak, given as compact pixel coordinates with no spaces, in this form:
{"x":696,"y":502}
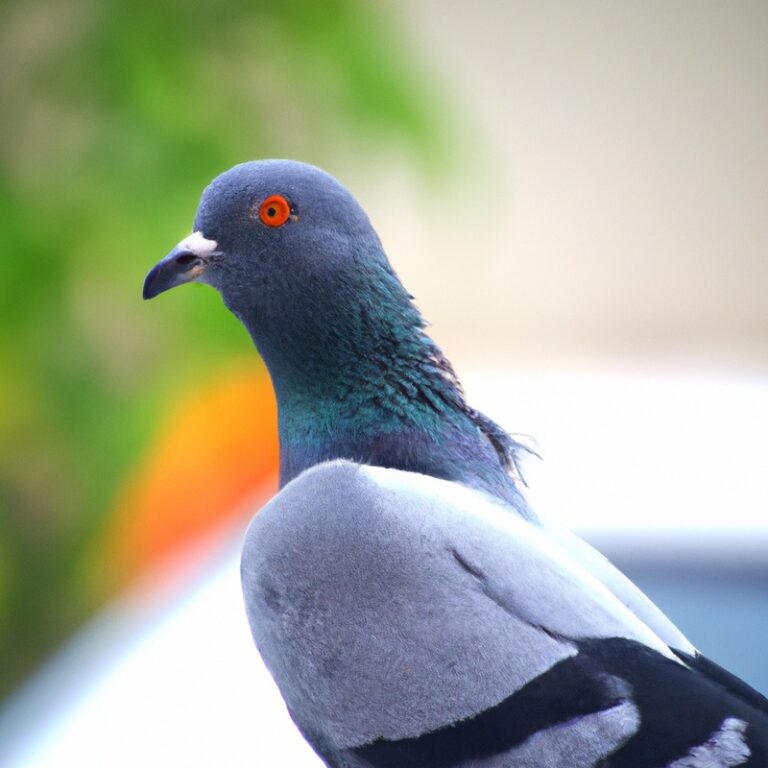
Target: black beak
{"x":180,"y":266}
{"x":185,"y":263}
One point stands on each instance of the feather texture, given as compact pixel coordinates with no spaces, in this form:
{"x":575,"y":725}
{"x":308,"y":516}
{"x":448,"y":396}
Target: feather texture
{"x":411,"y":621}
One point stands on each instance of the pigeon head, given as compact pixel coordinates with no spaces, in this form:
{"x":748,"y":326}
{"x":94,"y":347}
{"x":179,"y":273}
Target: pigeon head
{"x":296,"y":259}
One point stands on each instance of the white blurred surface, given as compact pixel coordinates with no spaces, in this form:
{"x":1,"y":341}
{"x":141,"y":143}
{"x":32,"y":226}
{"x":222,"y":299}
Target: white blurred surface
{"x":179,"y":683}
{"x":630,"y":452}
{"x":610,"y":195}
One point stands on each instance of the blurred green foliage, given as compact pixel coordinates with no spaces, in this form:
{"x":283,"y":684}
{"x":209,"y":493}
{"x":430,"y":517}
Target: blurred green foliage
{"x":114,"y":117}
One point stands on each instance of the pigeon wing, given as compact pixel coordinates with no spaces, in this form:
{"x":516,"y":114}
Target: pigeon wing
{"x":410,"y":621}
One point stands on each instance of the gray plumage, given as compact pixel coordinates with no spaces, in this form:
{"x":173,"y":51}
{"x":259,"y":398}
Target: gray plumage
{"x":369,"y":590}
{"x":389,"y":605}
{"x":413,"y":610}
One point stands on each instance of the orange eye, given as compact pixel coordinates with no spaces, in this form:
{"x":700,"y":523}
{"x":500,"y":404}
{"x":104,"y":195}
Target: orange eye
{"x":274,"y":211}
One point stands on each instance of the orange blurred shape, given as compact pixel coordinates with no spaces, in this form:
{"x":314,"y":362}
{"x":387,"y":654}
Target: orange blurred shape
{"x":217,"y":450}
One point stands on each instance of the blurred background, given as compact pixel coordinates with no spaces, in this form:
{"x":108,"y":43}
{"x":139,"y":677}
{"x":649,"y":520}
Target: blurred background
{"x":576,"y":194}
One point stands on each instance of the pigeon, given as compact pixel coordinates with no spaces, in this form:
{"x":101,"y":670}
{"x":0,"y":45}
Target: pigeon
{"x":411,"y":607}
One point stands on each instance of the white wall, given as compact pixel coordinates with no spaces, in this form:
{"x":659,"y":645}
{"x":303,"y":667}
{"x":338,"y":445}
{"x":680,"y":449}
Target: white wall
{"x":615,"y":199}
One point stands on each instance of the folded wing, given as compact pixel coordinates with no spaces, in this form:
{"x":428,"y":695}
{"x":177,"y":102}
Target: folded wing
{"x":409,"y":621}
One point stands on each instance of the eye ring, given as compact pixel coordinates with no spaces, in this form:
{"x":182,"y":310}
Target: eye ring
{"x":274,"y":211}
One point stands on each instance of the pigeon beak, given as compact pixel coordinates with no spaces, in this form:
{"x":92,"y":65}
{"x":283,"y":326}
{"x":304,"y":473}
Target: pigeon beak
{"x":185,"y":263}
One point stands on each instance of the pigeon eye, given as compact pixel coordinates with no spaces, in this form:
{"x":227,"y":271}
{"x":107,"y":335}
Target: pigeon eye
{"x":274,"y":211}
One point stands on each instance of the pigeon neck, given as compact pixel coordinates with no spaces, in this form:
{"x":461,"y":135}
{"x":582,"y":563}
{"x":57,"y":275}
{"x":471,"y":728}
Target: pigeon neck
{"x":403,"y":410}
{"x":362,"y":382}
{"x":364,"y":402}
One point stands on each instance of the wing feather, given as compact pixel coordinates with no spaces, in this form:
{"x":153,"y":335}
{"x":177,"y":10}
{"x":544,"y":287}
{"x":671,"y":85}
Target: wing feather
{"x":369,"y":589}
